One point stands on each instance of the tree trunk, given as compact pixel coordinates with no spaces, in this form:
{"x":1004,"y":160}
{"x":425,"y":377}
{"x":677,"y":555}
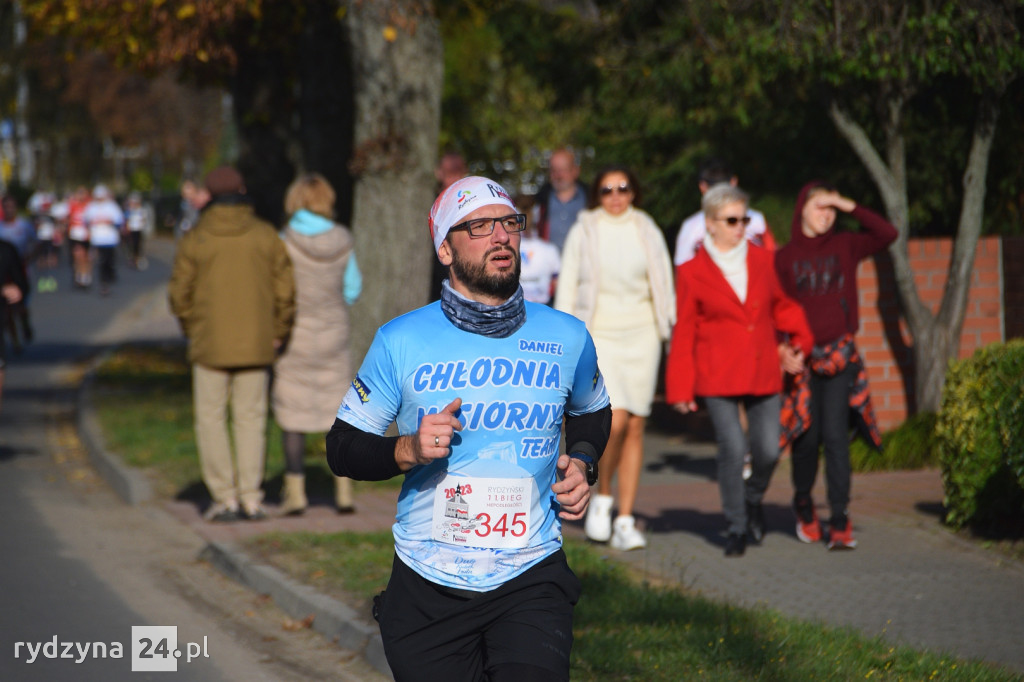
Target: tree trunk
{"x":262,"y":104}
{"x":936,"y":336}
{"x":950,"y":319}
{"x":398,"y":71}
{"x":326,"y":108}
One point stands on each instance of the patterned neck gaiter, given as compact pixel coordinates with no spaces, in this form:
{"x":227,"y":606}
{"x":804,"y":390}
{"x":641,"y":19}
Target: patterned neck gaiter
{"x":496,"y":321}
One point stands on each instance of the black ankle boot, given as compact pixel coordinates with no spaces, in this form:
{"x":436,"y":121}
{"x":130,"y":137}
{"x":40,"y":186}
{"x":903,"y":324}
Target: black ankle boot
{"x":735,"y":544}
{"x":755,"y":523}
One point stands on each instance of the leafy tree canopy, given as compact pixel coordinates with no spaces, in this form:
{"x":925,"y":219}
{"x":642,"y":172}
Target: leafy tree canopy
{"x":752,"y":80}
{"x":517,"y":85}
{"x":200,"y":36}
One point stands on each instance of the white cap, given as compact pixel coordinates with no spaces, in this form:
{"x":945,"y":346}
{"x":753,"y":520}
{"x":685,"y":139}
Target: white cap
{"x":462,"y":198}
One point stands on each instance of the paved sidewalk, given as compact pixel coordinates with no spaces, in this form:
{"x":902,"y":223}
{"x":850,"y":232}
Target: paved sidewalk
{"x":909,"y":581}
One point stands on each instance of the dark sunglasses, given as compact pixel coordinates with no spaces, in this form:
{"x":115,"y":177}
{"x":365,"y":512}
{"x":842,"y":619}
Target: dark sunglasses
{"x":621,"y":189}
{"x":733,"y":220}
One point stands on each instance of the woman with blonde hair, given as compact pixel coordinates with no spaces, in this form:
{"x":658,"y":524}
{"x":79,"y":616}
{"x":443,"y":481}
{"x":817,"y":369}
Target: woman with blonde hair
{"x":315,"y":364}
{"x":617,"y":277}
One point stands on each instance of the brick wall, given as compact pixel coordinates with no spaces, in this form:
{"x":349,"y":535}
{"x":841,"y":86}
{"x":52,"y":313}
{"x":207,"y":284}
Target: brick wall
{"x":884,"y":340}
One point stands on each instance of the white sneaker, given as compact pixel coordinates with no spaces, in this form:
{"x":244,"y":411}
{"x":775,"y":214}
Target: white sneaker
{"x":598,"y":525}
{"x":625,"y":536}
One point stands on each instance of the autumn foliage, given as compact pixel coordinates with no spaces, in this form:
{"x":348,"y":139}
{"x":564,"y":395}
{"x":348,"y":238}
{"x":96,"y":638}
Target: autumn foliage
{"x":151,"y":35}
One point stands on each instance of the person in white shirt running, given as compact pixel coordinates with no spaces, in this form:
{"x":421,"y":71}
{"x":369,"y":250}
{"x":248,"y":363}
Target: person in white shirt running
{"x":104,"y":219}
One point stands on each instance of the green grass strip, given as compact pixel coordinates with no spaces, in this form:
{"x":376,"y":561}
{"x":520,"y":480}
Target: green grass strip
{"x":628,"y":630}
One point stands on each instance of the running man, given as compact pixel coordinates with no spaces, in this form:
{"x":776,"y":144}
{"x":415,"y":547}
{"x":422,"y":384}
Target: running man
{"x":479,"y":385}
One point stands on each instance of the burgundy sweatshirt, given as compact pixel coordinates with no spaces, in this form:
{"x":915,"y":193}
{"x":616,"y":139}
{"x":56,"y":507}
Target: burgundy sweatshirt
{"x":821,"y":272}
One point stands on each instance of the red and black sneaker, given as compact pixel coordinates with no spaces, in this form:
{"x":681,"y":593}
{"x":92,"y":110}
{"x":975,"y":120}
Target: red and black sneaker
{"x":808,"y":529}
{"x":841,"y":535}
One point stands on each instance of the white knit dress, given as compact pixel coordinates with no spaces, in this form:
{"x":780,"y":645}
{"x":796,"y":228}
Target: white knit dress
{"x":624,"y":327}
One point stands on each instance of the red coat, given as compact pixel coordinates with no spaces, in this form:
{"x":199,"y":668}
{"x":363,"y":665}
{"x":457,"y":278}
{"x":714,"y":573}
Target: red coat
{"x":721,"y":347}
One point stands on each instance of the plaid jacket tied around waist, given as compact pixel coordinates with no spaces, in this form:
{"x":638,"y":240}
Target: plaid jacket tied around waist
{"x":828,"y":361}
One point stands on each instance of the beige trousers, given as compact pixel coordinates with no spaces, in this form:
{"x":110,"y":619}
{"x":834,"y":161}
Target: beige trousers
{"x":245,"y":390}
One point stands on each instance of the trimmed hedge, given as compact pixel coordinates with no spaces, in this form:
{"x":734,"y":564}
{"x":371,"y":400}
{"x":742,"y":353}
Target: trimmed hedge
{"x":980,"y":437}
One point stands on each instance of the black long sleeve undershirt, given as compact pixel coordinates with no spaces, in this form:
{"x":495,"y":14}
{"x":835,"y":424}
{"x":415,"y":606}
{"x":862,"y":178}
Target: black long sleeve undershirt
{"x":360,"y":455}
{"x":588,"y":433}
{"x":364,"y":456}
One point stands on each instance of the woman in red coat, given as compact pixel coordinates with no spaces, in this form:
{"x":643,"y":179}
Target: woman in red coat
{"x":725,"y":350}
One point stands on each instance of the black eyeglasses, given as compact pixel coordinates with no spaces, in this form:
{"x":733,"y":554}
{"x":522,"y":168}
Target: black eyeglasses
{"x":621,"y":189}
{"x":484,"y":227}
{"x":733,"y":220}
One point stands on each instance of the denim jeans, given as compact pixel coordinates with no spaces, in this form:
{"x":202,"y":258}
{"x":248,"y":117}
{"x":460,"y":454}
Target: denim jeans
{"x":763,"y":446}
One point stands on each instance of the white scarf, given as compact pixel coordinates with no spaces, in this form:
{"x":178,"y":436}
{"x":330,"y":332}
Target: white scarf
{"x":732,"y":263}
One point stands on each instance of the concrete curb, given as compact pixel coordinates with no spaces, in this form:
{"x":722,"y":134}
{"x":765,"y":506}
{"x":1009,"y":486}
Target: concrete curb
{"x":332,"y":619}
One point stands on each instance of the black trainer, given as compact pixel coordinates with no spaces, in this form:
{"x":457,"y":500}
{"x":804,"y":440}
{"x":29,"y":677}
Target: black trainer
{"x":222,"y":513}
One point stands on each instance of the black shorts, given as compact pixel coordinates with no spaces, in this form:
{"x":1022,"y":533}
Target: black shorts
{"x":521,"y":630}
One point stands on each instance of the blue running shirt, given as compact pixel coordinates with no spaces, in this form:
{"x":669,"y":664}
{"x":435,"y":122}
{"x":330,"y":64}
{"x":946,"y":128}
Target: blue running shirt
{"x":486,"y":513}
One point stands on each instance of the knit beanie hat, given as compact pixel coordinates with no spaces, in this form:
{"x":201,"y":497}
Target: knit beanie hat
{"x":224,"y":180}
{"x":462,"y":198}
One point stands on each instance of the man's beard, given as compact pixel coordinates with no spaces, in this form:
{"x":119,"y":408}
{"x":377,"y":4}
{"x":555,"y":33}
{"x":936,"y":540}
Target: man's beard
{"x":474,"y":276}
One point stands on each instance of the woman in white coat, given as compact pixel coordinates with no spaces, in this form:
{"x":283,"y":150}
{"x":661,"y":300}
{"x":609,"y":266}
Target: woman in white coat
{"x":617,"y":277}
